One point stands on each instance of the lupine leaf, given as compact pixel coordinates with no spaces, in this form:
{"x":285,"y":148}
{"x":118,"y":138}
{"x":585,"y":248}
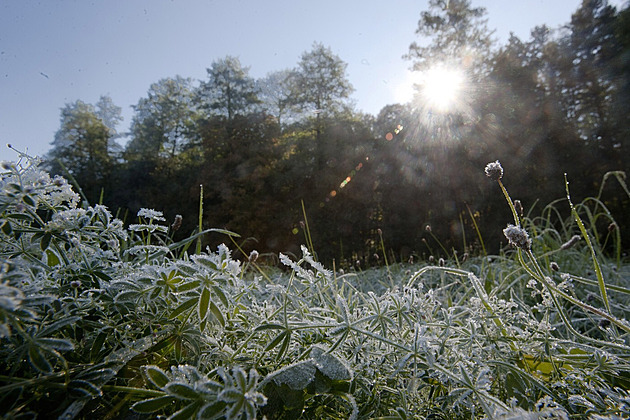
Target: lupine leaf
{"x":183,"y":307}
{"x":156,"y":376}
{"x":152,"y":405}
{"x":181,"y":391}
{"x":204,"y":301}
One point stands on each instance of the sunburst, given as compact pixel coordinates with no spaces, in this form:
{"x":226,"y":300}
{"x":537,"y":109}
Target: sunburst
{"x":440,"y":88}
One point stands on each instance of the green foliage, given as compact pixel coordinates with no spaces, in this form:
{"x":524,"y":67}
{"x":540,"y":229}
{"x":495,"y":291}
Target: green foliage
{"x":99,"y":320}
{"x":230,"y":91}
{"x":319,"y":84}
{"x":84,"y":144}
{"x":164,"y":121}
{"x":458,"y":33}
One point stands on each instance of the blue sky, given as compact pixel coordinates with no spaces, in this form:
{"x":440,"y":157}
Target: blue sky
{"x":53,"y":52}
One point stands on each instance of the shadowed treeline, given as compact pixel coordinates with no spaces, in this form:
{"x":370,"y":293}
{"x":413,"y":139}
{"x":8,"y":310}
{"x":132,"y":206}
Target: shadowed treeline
{"x":553,"y":104}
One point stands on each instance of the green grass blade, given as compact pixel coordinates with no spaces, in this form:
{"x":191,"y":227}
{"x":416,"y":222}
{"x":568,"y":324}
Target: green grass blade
{"x":596,"y":266}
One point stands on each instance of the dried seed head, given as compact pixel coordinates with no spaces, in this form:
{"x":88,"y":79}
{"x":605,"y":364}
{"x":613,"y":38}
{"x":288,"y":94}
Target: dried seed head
{"x":568,"y":244}
{"x":428,"y":228}
{"x":518,"y":237}
{"x":494,"y":171}
{"x":441,"y":262}
{"x":379,"y":231}
{"x":431,"y":258}
{"x":253,"y":256}
{"x":177,"y":223}
{"x":554,"y":266}
{"x":612,"y":227}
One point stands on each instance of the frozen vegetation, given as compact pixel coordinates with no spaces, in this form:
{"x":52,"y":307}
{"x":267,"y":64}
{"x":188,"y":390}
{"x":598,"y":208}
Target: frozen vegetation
{"x":100,"y":320}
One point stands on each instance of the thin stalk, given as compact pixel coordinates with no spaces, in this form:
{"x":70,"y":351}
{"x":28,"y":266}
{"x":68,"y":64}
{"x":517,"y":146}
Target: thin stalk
{"x":517,"y":222}
{"x":74,"y":183}
{"x":389,"y":273}
{"x":596,"y":266}
{"x":307,"y":233}
{"x":198,"y":247}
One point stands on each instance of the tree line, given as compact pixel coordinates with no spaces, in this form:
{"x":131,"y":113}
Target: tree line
{"x":287,"y":155}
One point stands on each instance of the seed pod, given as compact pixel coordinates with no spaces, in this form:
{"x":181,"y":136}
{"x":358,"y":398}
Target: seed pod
{"x":518,"y":237}
{"x":494,"y":171}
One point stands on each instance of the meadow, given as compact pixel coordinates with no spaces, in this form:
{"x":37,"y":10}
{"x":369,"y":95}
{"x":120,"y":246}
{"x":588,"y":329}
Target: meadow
{"x":108,"y":321}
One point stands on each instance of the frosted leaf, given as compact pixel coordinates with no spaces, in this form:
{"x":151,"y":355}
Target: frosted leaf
{"x":276,"y":288}
{"x":580,"y":401}
{"x":151,"y":214}
{"x":146,"y":248}
{"x":331,"y":366}
{"x":43,"y":189}
{"x":224,"y":252}
{"x":316,"y":265}
{"x":296,"y":376}
{"x":148,"y":228}
{"x":187,"y":374}
{"x":10,"y":297}
{"x":285,"y":260}
{"x":221,"y":260}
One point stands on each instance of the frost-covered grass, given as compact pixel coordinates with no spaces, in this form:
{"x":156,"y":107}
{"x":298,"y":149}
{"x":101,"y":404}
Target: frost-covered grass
{"x":102,"y":321}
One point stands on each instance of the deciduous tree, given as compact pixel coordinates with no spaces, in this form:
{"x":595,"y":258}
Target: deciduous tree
{"x":229,"y":91}
{"x":164,"y":121}
{"x":82,"y":144}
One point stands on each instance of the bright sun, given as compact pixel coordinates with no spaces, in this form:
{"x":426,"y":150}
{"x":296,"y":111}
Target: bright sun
{"x":440,"y":88}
